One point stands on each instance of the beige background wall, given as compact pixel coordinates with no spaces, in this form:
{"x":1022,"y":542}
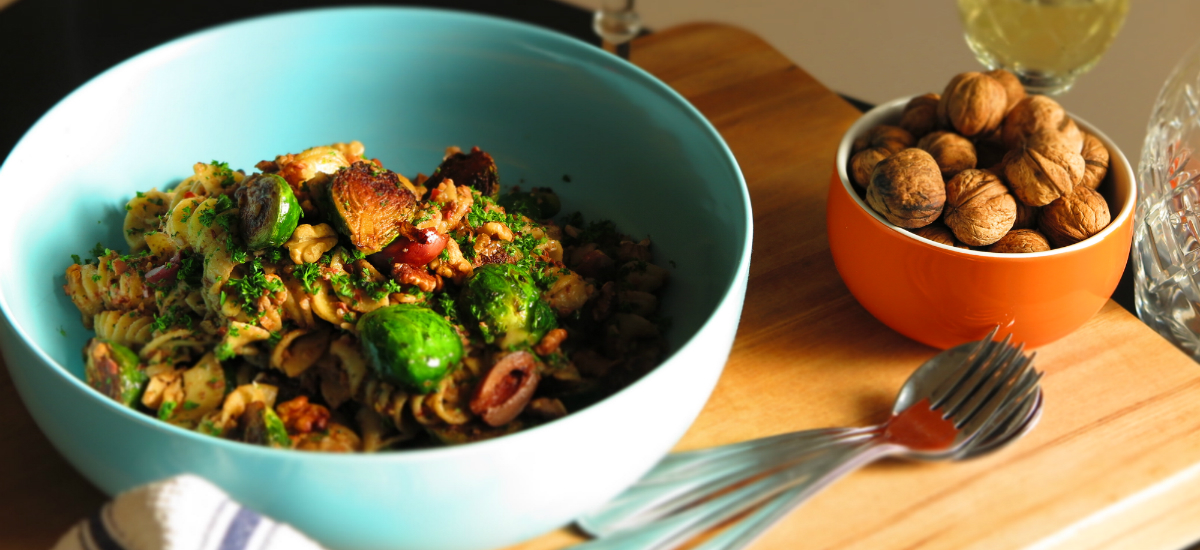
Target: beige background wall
{"x":878,"y":50}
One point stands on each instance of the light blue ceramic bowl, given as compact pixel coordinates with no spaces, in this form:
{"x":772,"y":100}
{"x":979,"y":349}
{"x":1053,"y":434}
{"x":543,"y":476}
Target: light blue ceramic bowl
{"x":407,"y":83}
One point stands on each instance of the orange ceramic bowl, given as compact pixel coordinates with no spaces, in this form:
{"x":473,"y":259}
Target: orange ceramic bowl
{"x":943,"y":296}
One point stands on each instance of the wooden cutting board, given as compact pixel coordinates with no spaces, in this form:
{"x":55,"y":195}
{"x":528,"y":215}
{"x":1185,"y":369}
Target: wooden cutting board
{"x":1115,"y":462}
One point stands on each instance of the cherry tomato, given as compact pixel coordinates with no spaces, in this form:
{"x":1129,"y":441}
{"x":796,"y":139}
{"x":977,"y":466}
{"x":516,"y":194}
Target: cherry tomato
{"x":424,"y":249}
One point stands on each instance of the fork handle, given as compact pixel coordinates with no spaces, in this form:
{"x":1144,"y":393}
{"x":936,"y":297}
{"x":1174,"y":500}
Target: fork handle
{"x":683,"y":479}
{"x":808,"y":477}
{"x":749,"y":529}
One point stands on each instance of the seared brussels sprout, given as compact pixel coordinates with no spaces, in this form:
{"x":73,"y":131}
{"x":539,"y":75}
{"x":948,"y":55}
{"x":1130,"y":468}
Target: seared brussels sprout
{"x":113,"y":370}
{"x":476,"y":170}
{"x":268,"y":211}
{"x":410,"y":345}
{"x":367,"y":204}
{"x":539,"y":203}
{"x":503,"y":301}
{"x":260,"y":425}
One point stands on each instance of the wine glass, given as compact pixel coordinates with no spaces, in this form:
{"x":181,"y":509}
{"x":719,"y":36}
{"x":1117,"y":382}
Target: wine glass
{"x":1046,"y":43}
{"x":616,"y":24}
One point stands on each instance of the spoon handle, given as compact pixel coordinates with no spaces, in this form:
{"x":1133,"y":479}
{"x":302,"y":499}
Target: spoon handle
{"x":676,"y":529}
{"x":682,"y":479}
{"x":743,"y":533}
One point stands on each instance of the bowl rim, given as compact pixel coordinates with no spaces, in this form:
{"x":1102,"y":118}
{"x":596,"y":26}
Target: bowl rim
{"x":896,"y":106}
{"x":567,"y":47}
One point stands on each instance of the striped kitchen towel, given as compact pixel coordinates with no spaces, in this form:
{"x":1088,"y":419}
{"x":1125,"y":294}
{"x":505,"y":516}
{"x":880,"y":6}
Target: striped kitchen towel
{"x":180,"y":513}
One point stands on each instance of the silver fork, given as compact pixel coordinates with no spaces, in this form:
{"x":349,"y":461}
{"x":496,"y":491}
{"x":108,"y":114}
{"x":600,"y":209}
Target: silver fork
{"x":984,"y":389}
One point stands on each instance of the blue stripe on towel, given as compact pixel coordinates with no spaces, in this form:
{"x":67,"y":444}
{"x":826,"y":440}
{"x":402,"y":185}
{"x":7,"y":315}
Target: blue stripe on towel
{"x":240,"y":529}
{"x":100,"y":534}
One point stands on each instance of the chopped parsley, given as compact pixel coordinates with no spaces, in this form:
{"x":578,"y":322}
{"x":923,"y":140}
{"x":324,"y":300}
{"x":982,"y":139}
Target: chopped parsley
{"x":224,"y":203}
{"x":251,"y":287}
{"x":308,"y":275}
{"x":98,"y":251}
{"x":446,"y":306}
{"x":224,"y":352}
{"x":165,"y":411}
{"x":191,"y":269}
{"x":173,"y":317}
{"x":222,"y":173}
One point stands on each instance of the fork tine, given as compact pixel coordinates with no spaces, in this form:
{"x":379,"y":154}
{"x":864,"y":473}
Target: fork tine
{"x":1013,"y":389}
{"x":982,"y":426}
{"x":983,"y":371}
{"x":1003,"y":367}
{"x":1016,"y":412}
{"x":973,"y":360}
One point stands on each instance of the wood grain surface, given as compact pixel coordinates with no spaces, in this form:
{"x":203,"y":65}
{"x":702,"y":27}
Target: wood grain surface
{"x":1115,"y":462}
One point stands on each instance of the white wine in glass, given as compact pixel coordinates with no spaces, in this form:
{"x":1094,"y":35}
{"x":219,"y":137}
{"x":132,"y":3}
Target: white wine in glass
{"x":1046,"y":43}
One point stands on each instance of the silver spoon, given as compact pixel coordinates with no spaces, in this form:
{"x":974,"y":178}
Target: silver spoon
{"x":986,"y":388}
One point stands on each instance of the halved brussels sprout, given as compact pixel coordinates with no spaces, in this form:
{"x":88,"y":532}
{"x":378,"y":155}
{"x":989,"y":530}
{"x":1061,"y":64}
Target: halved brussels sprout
{"x":504,"y":303}
{"x":410,"y":345}
{"x":268,"y":211}
{"x":367,"y":204}
{"x":539,"y":203}
{"x":113,"y":370}
{"x":476,"y":170}
{"x":260,"y":425}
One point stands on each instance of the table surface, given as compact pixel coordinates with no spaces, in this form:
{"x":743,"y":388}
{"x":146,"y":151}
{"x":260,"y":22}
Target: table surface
{"x":1113,"y":463}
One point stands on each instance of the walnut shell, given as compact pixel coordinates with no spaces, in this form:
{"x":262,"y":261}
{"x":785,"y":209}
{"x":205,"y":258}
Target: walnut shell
{"x":940,"y":234}
{"x":979,"y":209}
{"x":1044,"y":169}
{"x":907,"y":189}
{"x":892,"y":138}
{"x":1013,"y":89}
{"x":1021,"y":241}
{"x":920,"y":115}
{"x":1074,"y":217}
{"x":1027,"y":216}
{"x":973,"y":104}
{"x":1036,"y":114}
{"x":952,"y":152}
{"x":1095,"y":159}
{"x":863,"y":163}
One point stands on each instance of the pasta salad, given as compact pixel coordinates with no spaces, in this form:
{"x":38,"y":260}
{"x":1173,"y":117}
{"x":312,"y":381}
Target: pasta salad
{"x":324,"y":302}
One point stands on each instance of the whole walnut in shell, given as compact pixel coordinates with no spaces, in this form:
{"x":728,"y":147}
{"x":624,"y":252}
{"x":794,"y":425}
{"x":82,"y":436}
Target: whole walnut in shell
{"x":973,"y":103}
{"x":1095,"y":159}
{"x":979,"y":209}
{"x":920,"y":115}
{"x":863,"y":163}
{"x":952,"y":152}
{"x":1037,"y":114}
{"x":1021,"y":241}
{"x":1013,"y":89}
{"x":1027,"y":216}
{"x":907,"y":189}
{"x":1045,"y":168}
{"x":1074,"y":217}
{"x":892,"y":138}
{"x":940,"y":234}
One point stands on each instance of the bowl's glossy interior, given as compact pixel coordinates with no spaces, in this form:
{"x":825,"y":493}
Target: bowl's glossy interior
{"x":944,"y":296}
{"x":610,"y":139}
